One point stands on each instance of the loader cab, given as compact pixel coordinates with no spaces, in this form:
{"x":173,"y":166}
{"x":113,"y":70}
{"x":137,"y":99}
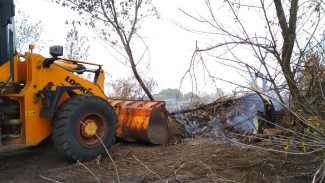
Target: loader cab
{"x":7,"y":38}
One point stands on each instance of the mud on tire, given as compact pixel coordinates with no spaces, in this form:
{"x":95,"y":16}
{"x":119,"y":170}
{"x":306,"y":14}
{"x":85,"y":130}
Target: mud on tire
{"x":74,"y":139}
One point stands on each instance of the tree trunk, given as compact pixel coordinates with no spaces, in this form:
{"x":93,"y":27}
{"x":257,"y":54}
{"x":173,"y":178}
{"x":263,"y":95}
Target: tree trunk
{"x":135,"y":72}
{"x":289,"y":36}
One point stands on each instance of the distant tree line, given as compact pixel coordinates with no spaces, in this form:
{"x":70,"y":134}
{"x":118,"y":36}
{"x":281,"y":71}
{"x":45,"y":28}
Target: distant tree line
{"x":176,"y":94}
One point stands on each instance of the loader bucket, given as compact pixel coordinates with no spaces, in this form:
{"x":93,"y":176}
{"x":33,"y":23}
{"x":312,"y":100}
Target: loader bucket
{"x":140,"y":120}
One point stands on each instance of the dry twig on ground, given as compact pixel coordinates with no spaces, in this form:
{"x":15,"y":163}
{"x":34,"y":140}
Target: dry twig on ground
{"x":321,"y":170}
{"x":48,"y":179}
{"x":149,"y":169}
{"x":110,"y":157}
{"x":88,"y":170}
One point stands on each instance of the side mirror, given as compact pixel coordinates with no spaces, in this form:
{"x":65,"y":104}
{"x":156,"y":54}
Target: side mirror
{"x":56,"y":51}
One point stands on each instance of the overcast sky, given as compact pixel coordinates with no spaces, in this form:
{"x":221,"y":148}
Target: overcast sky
{"x":171,"y":47}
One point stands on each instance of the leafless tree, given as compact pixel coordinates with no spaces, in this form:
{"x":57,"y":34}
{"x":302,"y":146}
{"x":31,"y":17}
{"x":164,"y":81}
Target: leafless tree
{"x":77,"y":46}
{"x":117,"y":23}
{"x":27,"y":32}
{"x":274,"y":34}
{"x":127,"y":88}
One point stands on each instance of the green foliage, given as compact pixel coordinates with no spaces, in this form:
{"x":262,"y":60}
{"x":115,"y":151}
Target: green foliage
{"x":175,"y":94}
{"x":169,"y":93}
{"x":190,"y":96}
{"x":306,"y":131}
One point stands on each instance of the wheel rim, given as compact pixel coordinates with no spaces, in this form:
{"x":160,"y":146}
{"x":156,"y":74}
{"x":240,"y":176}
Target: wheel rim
{"x":92,"y":122}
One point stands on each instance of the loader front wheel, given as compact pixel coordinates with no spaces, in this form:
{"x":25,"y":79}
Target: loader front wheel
{"x":82,"y":125}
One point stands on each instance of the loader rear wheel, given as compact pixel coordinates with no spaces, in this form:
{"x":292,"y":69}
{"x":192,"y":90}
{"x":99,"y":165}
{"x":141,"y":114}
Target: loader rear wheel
{"x":74,"y":125}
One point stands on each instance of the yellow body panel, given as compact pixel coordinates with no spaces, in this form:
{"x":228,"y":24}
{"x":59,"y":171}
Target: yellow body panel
{"x":35,"y":128}
{"x":137,"y":120}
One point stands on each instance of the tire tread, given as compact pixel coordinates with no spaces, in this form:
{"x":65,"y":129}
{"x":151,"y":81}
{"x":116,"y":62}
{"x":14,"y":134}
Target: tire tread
{"x":60,"y":125}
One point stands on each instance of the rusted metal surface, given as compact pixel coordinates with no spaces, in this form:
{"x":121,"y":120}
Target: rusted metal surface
{"x":140,"y":120}
{"x":92,"y":122}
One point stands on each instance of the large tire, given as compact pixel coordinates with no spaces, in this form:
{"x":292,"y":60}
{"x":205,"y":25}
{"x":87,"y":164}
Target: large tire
{"x":76,"y":141}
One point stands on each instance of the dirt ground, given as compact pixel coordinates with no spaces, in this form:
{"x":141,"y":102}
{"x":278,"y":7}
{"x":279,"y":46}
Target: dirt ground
{"x":190,"y":160}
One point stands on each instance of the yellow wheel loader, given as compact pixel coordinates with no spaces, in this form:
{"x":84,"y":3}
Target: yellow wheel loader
{"x":43,"y":96}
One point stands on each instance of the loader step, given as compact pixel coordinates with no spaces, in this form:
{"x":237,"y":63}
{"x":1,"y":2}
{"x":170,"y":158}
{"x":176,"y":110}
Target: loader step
{"x":10,"y":136}
{"x":10,"y":122}
{"x":11,"y":139}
